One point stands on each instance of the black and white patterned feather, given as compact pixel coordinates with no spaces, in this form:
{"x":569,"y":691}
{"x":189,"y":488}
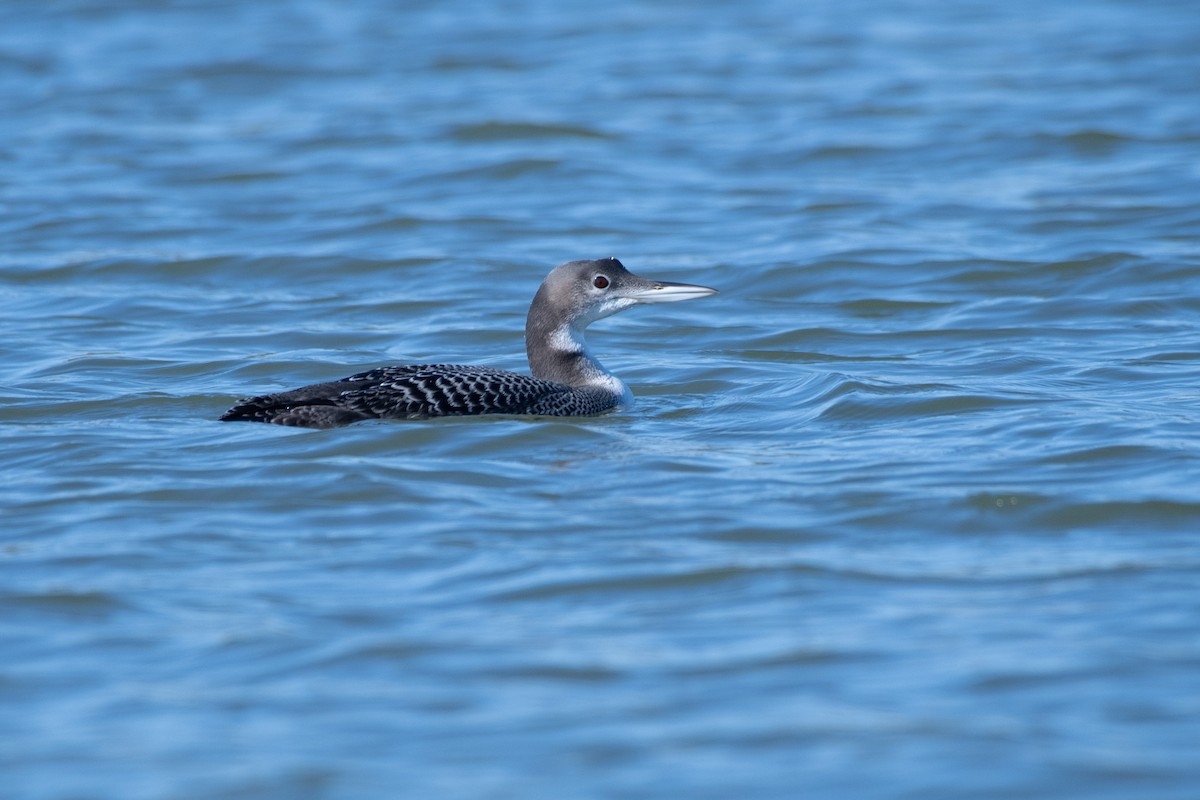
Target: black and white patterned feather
{"x":420,"y":390}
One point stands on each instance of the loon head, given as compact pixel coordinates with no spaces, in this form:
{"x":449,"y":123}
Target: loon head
{"x":573,"y":296}
{"x":578,"y":293}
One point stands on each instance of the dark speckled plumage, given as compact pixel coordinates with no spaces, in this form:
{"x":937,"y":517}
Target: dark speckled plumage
{"x":420,"y":390}
{"x":568,"y":380}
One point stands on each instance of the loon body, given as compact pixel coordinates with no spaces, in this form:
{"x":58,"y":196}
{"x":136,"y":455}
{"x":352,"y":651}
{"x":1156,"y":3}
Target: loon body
{"x":567,"y":379}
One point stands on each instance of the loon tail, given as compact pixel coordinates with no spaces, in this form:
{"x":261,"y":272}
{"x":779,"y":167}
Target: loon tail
{"x":281,"y":410}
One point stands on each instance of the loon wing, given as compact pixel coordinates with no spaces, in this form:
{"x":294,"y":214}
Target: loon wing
{"x":410,"y":391}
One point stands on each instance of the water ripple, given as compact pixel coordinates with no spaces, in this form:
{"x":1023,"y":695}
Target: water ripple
{"x":916,"y":489}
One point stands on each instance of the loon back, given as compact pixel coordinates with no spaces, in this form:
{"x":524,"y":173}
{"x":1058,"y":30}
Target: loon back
{"x":421,"y":390}
{"x":567,"y":379}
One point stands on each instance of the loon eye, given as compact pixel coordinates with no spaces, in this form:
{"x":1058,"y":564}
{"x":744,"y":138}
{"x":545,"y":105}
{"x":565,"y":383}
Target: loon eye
{"x":600,"y":282}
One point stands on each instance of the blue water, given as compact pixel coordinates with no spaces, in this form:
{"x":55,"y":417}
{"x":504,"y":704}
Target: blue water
{"x":909,"y":510}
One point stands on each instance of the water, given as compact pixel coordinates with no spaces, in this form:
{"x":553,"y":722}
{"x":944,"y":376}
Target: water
{"x":910,"y":509}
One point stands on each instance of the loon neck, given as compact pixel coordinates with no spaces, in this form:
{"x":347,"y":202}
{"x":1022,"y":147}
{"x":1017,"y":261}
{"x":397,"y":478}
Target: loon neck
{"x":561,"y":354}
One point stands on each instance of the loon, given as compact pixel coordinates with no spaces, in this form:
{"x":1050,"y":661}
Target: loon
{"x":567,"y":379}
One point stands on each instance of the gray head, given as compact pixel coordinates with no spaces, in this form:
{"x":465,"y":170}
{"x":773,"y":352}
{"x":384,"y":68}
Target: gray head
{"x":578,"y":293}
{"x":581,"y":292}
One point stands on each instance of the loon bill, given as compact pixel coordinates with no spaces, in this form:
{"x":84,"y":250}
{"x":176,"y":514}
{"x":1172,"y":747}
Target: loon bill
{"x":567,"y":379}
